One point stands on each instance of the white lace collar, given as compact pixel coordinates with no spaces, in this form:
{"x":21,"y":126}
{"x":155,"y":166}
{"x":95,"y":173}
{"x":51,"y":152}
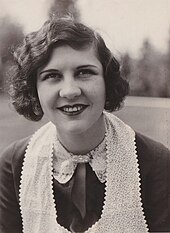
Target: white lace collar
{"x":65,"y":163}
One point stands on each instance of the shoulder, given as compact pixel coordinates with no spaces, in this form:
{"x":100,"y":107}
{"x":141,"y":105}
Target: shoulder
{"x":10,"y":169}
{"x":154,"y":167}
{"x":11,"y":161}
{"x":14,"y":151}
{"x":153,"y":157}
{"x":151,"y":149}
{"x":154,"y":163}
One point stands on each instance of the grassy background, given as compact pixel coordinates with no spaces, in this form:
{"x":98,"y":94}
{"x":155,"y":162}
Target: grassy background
{"x":150,"y":116}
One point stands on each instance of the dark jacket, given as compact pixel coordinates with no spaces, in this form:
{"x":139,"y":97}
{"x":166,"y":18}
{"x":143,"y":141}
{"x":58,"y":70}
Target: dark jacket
{"x":154,"y":165}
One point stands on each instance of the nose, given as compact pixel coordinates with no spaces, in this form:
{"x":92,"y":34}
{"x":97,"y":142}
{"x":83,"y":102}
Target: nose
{"x":69,"y":89}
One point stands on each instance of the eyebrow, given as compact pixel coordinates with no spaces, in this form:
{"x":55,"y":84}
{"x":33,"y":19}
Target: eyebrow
{"x":49,"y":70}
{"x":77,"y":68}
{"x":86,"y":66}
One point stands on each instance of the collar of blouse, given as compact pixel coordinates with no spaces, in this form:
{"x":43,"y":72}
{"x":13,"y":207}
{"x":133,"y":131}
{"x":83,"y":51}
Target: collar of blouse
{"x":65,"y":164}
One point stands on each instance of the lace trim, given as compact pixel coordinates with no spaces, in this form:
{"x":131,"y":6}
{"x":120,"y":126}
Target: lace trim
{"x":139,"y":179}
{"x":120,"y":213}
{"x":65,"y":163}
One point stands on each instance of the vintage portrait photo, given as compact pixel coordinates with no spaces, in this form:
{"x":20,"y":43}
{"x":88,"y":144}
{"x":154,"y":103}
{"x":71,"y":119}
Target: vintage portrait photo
{"x":84,"y":116}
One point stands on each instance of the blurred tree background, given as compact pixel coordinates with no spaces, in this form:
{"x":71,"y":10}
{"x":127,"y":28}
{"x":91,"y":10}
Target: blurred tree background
{"x":64,"y":7}
{"x":11,"y":34}
{"x":148,"y":74}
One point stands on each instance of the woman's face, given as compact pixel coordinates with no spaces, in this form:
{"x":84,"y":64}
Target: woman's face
{"x":71,"y":89}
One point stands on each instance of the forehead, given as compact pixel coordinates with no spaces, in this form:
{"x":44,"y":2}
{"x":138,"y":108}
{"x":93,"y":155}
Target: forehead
{"x":65,"y":55}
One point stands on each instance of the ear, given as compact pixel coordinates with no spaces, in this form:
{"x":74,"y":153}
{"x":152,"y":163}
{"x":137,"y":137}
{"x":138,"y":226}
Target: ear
{"x":36,"y":107}
{"x":107,"y":104}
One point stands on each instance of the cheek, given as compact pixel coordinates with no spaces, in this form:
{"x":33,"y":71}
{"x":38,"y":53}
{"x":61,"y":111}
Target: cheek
{"x":100,"y":92}
{"x":40,"y":96}
{"x":44,"y":98}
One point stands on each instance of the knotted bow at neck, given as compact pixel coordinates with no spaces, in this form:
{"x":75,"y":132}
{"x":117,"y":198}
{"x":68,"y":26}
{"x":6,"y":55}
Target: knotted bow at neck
{"x":66,"y":164}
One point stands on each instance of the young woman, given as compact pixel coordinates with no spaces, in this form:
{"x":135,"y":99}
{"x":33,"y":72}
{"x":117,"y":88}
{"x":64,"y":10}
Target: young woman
{"x":85,"y":170}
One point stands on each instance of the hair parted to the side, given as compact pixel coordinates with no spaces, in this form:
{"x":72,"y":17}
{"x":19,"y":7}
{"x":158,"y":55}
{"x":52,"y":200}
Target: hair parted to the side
{"x":35,"y":52}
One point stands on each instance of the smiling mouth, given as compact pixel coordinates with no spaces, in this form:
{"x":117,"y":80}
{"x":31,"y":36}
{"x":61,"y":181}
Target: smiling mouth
{"x":73,"y":109}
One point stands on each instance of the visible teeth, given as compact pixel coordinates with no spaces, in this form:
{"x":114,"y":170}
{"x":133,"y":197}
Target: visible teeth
{"x":72,"y":109}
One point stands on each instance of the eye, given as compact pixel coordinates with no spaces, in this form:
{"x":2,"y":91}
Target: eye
{"x":85,"y":73}
{"x":52,"y":76}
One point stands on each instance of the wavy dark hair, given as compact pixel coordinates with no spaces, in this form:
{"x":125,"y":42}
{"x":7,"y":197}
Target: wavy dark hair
{"x":35,"y":52}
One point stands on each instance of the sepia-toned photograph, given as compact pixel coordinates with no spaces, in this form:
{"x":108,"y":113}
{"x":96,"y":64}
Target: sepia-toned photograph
{"x":84,"y":116}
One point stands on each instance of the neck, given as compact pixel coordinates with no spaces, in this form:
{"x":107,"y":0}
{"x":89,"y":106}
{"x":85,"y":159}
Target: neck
{"x":86,"y":141}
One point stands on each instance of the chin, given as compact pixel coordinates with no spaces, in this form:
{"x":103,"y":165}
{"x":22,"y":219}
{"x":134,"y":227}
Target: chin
{"x":75,"y":128}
